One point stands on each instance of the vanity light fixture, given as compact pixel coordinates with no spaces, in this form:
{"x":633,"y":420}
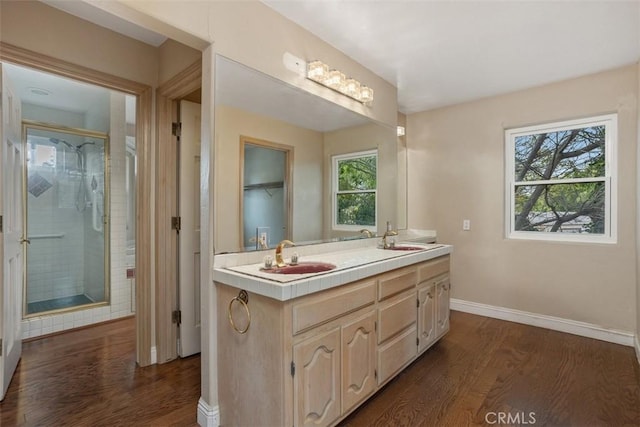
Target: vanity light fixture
{"x":319,"y":72}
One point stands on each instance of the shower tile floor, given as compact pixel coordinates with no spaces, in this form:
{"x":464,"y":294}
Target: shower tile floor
{"x":57,"y":303}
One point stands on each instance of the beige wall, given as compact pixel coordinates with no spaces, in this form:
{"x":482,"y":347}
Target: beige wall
{"x":231,"y":123}
{"x":360,"y":138}
{"x":66,"y":37}
{"x":173,"y":57}
{"x":253,"y":34}
{"x":456,"y":172}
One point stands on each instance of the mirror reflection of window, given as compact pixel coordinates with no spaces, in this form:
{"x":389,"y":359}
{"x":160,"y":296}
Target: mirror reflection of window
{"x":355,"y":186}
{"x":41,"y":155}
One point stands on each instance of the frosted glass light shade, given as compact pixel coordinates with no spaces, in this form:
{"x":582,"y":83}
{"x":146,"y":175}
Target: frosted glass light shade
{"x":335,"y":80}
{"x":317,"y":70}
{"x":351,"y":88}
{"x":366,"y":94}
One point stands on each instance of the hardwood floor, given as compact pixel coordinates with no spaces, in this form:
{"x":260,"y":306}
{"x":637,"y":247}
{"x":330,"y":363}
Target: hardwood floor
{"x":482,"y":368}
{"x":89,"y":378}
{"x":487,"y":368}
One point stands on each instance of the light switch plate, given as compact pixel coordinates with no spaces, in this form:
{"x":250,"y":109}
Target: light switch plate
{"x":466,"y":224}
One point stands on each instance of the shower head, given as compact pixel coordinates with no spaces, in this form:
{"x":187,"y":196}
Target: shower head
{"x":58,"y":141}
{"x":85,"y":143}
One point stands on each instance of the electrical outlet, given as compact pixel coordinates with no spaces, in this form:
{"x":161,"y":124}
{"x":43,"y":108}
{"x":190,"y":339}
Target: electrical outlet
{"x":263,"y":238}
{"x":466,"y":225}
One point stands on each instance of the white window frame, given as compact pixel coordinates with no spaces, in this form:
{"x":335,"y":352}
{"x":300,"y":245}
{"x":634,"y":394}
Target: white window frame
{"x":334,"y":191}
{"x":610,"y":121}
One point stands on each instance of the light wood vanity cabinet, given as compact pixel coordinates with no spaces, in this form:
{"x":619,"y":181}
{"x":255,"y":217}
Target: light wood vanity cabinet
{"x":433,"y":301}
{"x":312,"y":360}
{"x":317,"y":385}
{"x":396,"y":321}
{"x":358,"y":360}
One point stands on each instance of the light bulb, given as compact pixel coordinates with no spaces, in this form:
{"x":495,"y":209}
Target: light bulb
{"x":366,"y":94}
{"x":317,"y":70}
{"x":335,"y":79}
{"x":351,"y":88}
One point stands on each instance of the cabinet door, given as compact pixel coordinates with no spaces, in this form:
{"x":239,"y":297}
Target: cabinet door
{"x":426,"y":316}
{"x":316,"y":381}
{"x":443,"y":293}
{"x":358,"y":360}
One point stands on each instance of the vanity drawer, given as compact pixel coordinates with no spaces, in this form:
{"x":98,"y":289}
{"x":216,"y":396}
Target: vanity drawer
{"x":433,"y":268}
{"x":316,"y":309}
{"x":396,"y":281}
{"x":396,"y":314}
{"x":396,"y":353}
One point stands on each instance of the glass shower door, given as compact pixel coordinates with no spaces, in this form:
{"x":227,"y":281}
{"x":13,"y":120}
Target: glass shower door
{"x":66,"y":219}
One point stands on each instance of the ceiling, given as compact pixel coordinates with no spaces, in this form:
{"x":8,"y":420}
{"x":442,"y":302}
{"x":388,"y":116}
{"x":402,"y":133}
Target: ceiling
{"x":440,"y":53}
{"x":52,"y":91}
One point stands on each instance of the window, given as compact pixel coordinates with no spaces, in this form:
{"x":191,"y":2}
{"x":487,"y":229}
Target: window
{"x":355,"y":190}
{"x":561,"y":180}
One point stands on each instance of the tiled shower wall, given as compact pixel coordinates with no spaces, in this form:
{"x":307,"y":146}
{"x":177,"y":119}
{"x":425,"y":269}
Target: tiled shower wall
{"x":55,"y":255}
{"x":122,"y":289}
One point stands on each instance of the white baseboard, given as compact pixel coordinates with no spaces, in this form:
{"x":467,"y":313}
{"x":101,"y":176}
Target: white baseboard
{"x":638,"y":346}
{"x":154,"y":355}
{"x":208,"y":416}
{"x":549,"y":322}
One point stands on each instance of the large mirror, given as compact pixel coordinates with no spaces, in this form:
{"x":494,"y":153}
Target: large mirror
{"x":279,"y":154}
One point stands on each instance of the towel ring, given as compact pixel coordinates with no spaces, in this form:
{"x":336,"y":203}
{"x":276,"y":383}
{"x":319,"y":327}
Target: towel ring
{"x":242,"y":298}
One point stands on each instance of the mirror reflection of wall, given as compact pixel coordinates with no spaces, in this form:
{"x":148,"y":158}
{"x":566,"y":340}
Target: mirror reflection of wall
{"x":130,"y":190}
{"x":250,"y":103}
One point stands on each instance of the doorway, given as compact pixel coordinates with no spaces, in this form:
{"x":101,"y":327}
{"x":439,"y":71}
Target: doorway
{"x":66,"y":219}
{"x":136,"y":101}
{"x":265,"y":176}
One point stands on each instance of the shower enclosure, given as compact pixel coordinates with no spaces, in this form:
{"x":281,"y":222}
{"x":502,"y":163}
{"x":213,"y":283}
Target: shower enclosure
{"x":66,"y":218}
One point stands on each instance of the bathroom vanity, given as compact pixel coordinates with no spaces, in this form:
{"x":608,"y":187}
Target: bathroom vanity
{"x":316,"y":346}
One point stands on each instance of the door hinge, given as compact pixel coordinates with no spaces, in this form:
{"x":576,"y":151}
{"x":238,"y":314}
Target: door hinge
{"x":418,"y":303}
{"x":176,"y":223}
{"x":375,"y":374}
{"x":176,"y":317}
{"x":1,"y":348}
{"x":176,"y":129}
{"x":1,"y":224}
{"x":418,"y":341}
{"x":293,"y":369}
{"x":375,"y":326}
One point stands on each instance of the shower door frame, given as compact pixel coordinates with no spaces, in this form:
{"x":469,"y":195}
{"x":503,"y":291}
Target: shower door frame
{"x":106,"y":219}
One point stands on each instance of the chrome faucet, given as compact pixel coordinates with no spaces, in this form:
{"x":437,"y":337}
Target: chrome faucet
{"x":279,"y":260}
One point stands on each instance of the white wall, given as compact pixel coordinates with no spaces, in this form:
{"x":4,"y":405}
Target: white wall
{"x":456,"y":172}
